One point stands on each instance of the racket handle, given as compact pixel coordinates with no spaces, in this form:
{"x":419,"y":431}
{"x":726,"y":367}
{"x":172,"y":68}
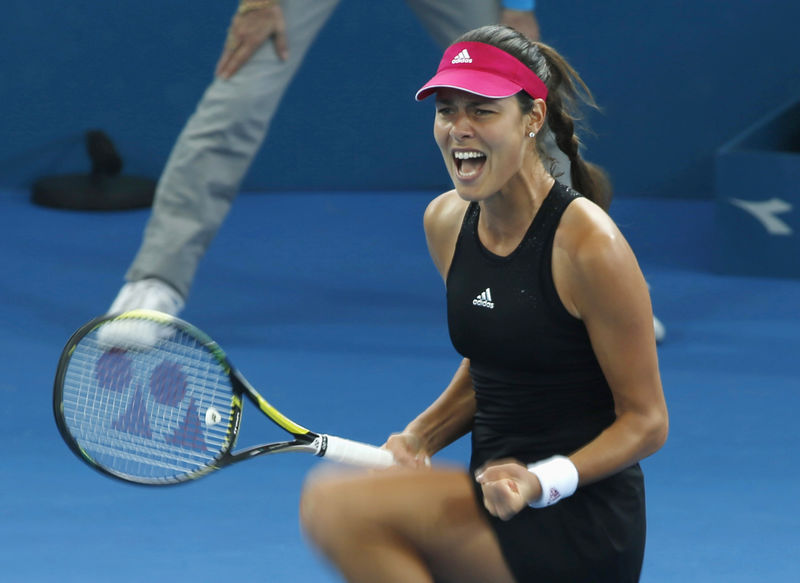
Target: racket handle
{"x":353,"y":453}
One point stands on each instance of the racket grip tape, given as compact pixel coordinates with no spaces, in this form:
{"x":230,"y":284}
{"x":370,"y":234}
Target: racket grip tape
{"x":345,"y":451}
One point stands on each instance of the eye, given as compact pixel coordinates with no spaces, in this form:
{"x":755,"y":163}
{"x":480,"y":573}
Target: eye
{"x":444,"y":110}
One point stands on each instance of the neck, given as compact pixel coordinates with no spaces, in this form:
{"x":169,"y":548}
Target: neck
{"x":507,"y":215}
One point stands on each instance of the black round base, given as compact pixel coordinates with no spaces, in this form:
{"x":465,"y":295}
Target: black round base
{"x":93,"y":192}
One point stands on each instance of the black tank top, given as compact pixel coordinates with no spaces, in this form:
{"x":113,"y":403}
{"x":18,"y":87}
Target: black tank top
{"x":538,"y":386}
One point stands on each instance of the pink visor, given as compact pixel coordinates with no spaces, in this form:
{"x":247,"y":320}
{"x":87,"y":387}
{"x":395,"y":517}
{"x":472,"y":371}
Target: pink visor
{"x":484,"y":70}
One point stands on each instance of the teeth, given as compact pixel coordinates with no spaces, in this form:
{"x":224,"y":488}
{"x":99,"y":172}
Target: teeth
{"x":467,"y":155}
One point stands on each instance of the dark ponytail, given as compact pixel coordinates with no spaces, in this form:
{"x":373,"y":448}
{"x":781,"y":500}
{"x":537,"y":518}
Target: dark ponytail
{"x":566,"y":93}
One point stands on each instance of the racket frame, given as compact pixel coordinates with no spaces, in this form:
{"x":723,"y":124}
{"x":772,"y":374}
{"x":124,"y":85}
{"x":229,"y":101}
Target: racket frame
{"x":304,"y":440}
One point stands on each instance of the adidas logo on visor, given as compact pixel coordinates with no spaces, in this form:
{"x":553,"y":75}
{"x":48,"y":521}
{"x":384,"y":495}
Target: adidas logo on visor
{"x":462,"y":57}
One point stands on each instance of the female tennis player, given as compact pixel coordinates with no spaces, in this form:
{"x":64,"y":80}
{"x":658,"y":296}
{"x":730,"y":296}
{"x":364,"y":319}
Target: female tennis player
{"x":559,"y":384}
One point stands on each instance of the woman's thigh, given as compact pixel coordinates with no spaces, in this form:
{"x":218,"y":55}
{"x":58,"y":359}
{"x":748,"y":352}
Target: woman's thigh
{"x":433,"y":512}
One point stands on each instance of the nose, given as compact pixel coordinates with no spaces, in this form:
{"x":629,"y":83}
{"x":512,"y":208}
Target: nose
{"x":461,"y":127}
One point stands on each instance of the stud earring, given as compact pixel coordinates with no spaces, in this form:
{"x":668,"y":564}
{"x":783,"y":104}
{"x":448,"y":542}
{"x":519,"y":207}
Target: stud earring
{"x":532,"y":135}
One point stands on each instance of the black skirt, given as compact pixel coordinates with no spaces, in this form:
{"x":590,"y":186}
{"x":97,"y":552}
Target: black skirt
{"x":597,"y":535}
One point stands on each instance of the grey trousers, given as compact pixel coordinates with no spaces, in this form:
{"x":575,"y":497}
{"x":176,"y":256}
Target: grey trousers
{"x":219,"y":141}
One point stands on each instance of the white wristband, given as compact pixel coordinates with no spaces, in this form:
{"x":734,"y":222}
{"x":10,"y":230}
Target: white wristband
{"x":558,"y":477}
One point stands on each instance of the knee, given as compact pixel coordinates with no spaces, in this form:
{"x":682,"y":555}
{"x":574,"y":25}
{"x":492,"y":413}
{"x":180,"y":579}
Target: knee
{"x":324,"y":510}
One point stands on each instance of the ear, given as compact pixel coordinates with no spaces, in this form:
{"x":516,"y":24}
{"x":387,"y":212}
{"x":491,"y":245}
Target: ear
{"x":536,"y":116}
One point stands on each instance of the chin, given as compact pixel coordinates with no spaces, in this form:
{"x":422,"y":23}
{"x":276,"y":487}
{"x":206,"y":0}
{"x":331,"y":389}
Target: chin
{"x":470,"y":193}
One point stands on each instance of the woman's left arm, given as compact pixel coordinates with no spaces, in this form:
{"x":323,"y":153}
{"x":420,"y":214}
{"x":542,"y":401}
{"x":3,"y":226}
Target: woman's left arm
{"x":603,"y":285}
{"x":598,"y":280}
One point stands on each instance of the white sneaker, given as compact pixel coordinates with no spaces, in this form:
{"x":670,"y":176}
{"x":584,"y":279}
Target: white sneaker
{"x":659,"y":329}
{"x":148,"y":294}
{"x":144,"y":294}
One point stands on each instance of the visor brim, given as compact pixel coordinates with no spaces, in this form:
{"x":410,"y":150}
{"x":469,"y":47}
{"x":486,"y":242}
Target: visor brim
{"x":480,"y":83}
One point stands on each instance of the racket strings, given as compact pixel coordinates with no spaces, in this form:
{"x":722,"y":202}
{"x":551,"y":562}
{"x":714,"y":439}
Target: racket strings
{"x":156,"y":413}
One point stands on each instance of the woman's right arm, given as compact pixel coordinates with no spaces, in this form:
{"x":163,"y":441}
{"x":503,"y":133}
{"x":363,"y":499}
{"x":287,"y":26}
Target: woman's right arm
{"x":450,"y":415}
{"x":445,"y":420}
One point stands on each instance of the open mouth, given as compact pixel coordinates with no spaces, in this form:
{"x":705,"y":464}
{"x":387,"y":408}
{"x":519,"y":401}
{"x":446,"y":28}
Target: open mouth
{"x":468,"y":163}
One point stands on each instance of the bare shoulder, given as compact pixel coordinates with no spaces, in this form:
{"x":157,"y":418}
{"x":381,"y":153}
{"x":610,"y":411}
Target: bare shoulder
{"x":592,"y":261}
{"x":587,"y":234}
{"x":444,"y":209}
{"x":442,"y":221}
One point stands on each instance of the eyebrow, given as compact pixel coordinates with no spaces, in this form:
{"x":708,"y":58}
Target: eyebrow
{"x":477,"y":100}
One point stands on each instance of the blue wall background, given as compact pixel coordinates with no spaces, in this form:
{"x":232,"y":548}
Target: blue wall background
{"x":676,"y":80}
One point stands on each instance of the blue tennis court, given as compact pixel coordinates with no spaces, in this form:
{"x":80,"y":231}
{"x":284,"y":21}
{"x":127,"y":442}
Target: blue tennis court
{"x":329,"y":304}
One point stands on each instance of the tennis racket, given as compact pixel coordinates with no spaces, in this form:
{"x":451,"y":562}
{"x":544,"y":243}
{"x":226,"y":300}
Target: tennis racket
{"x":148,"y":398}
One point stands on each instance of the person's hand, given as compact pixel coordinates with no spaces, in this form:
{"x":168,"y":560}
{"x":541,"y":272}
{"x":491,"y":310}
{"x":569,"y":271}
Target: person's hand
{"x":407,"y":450}
{"x":248,"y":31}
{"x":523,"y":21}
{"x":507,"y":486}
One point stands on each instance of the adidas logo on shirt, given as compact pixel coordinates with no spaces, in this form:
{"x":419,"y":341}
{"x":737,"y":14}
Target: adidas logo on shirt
{"x":462,"y":57}
{"x":484,"y":299}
